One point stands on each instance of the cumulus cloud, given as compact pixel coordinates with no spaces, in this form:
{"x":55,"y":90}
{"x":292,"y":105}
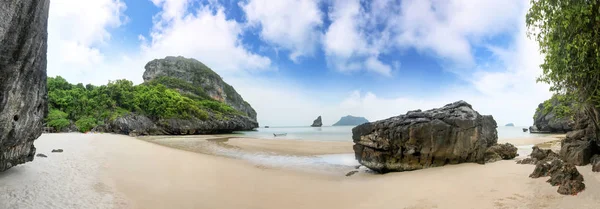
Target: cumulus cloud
{"x":204,"y":34}
{"x":347,"y":46}
{"x":76,"y":31}
{"x":290,"y":24}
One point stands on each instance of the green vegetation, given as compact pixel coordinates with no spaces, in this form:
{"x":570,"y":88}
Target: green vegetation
{"x":568,"y":33}
{"x":57,"y":119}
{"x":91,"y":105}
{"x":561,"y":104}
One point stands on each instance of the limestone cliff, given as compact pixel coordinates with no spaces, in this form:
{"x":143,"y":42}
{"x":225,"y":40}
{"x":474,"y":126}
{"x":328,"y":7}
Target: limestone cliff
{"x":23,"y":94}
{"x":205,"y":82}
{"x":553,"y":116}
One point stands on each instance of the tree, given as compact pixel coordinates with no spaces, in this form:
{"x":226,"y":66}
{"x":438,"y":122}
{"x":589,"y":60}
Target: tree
{"x":568,"y":33}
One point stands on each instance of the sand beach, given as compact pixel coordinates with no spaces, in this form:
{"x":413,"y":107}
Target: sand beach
{"x":115,"y":171}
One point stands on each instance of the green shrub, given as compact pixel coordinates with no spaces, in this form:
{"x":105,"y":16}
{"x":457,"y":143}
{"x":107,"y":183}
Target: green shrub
{"x":85,"y":124}
{"x":57,"y":119}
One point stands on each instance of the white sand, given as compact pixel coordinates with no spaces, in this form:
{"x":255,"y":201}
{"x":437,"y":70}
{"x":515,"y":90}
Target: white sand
{"x":101,"y":170}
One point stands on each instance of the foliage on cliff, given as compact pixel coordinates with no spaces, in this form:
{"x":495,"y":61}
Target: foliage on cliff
{"x":563,"y":106}
{"x":91,"y":105}
{"x":567,"y":33}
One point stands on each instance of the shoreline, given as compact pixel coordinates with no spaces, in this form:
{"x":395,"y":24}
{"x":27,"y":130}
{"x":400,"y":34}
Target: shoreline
{"x":116,"y":171}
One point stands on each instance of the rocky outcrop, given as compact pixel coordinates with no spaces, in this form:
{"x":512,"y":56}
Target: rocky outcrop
{"x":581,"y":144}
{"x":564,"y":175}
{"x":23,"y":94}
{"x":539,"y":155}
{"x":317,"y":122}
{"x":351,"y":121}
{"x":499,"y":152}
{"x":553,"y":116}
{"x":419,"y":139}
{"x":134,"y":125}
{"x":199,"y":75}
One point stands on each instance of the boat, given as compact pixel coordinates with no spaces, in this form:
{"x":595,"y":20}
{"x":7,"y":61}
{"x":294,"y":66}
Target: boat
{"x":525,"y":129}
{"x":282,"y":134}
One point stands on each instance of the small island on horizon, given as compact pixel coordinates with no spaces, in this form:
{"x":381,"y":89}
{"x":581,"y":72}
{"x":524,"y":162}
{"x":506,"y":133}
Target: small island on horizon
{"x":350,"y":120}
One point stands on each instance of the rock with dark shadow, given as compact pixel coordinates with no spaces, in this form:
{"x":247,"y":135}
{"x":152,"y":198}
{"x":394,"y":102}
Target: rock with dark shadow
{"x":419,"y":139}
{"x":23,"y":94}
{"x":499,"y":152}
{"x":317,"y":122}
{"x":539,"y":155}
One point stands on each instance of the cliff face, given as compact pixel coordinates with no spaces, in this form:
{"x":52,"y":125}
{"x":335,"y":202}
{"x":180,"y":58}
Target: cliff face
{"x":351,"y":121}
{"x":199,"y":75}
{"x":553,"y":116}
{"x":23,"y":94}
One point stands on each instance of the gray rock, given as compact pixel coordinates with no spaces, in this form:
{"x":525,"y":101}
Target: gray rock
{"x":317,"y":122}
{"x":351,"y":173}
{"x":40,"y":155}
{"x":135,"y":125}
{"x":57,"y":150}
{"x":569,"y":180}
{"x":499,"y":152}
{"x":549,"y":121}
{"x":539,"y":155}
{"x":452,"y":134}
{"x":23,"y":94}
{"x":576,"y":152}
{"x":199,"y":75}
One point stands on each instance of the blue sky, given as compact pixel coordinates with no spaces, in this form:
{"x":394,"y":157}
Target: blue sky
{"x":293,"y":60}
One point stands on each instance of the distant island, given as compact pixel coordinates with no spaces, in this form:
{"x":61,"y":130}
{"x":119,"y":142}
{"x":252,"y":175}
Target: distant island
{"x":351,"y":121}
{"x":510,"y":124}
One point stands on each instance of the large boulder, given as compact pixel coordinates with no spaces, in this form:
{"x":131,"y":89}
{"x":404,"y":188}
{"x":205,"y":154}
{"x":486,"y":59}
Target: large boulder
{"x":576,"y":152}
{"x":317,"y":122}
{"x":204,"y":81}
{"x":350,"y":121}
{"x":419,"y":139}
{"x":23,"y":94}
{"x":499,"y":152}
{"x":552,"y":116}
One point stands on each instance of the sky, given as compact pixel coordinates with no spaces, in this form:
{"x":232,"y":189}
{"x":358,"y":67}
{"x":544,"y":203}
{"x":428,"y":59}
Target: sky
{"x":294,"y":60}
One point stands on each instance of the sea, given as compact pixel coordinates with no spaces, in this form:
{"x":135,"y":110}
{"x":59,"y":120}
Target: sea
{"x":333,"y":163}
{"x":344,"y":133}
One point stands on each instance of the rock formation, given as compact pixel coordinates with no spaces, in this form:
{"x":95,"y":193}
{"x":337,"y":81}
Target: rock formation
{"x":23,"y":94}
{"x":564,"y":175}
{"x":199,"y":75}
{"x":510,"y":124}
{"x":134,"y":125}
{"x":317,"y":122}
{"x":581,"y":144}
{"x":552,"y":116}
{"x":499,"y":152}
{"x":419,"y":139}
{"x":351,"y":121}
{"x":539,"y":155}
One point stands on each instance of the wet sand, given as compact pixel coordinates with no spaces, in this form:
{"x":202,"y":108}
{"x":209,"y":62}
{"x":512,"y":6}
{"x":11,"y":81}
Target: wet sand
{"x":113,"y":171}
{"x":202,"y":144}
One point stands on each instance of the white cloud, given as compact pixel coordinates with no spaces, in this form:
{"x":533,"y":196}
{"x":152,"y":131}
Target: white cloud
{"x":290,"y":24}
{"x":206,"y":35}
{"x":345,"y":43}
{"x":76,"y":30}
{"x":451,"y":28}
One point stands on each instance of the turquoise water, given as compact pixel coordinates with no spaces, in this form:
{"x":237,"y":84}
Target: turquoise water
{"x":344,"y":133}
